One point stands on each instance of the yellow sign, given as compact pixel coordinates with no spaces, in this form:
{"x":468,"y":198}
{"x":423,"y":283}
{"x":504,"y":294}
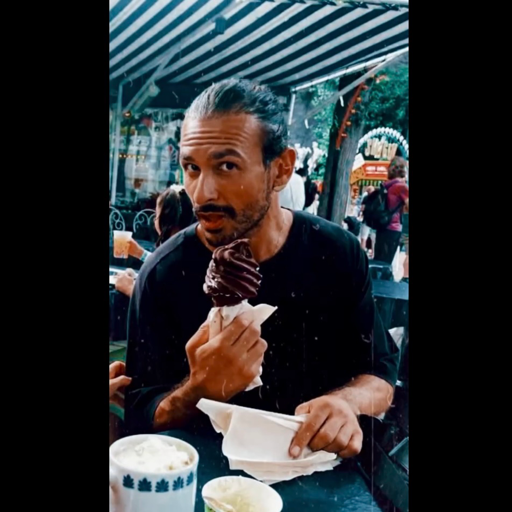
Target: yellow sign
{"x":380,"y":149}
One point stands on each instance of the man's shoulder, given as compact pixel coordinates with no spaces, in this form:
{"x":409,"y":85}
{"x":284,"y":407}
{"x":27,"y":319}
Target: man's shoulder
{"x":325,"y":234}
{"x":169,"y":253}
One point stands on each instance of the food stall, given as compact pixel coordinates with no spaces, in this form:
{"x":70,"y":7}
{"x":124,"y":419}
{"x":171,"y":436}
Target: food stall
{"x":375,"y":151}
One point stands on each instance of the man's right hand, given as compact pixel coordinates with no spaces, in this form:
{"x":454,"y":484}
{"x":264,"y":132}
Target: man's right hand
{"x":227,"y":364}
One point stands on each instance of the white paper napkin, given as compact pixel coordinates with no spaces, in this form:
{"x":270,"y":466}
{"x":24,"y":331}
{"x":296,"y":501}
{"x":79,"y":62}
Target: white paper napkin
{"x":220,"y":318}
{"x":257,"y":442}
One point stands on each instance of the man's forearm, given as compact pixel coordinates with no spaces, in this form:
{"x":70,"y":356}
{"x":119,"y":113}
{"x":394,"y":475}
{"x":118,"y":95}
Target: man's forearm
{"x":367,"y":394}
{"x":177,"y":408}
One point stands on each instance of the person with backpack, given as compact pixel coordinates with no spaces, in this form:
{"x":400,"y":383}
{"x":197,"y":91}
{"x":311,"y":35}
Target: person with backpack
{"x":383,"y":210}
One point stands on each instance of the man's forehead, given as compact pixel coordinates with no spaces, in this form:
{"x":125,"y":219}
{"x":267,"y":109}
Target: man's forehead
{"x":224,"y":125}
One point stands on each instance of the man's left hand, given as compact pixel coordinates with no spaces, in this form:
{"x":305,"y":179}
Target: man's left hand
{"x":331,"y":425}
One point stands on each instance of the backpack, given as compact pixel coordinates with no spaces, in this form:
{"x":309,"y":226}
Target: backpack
{"x":376,"y":214}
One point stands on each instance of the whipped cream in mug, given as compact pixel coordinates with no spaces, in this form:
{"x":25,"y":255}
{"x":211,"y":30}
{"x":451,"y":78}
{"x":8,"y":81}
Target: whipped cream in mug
{"x":154,"y":456}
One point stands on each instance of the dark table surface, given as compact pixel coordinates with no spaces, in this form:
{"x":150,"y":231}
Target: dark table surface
{"x":390,"y":289}
{"x":342,"y":489}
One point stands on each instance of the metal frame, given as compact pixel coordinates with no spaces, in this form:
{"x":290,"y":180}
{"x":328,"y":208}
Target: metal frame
{"x":349,"y":71}
{"x":142,"y":218}
{"x":117,"y":218}
{"x":354,"y":84}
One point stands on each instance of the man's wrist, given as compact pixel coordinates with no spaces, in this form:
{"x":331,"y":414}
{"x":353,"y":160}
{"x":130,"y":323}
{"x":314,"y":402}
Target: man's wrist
{"x":349,"y":396}
{"x":177,"y":406}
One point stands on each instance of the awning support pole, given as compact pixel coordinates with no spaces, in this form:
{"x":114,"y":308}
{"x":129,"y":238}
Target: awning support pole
{"x":117,"y":142}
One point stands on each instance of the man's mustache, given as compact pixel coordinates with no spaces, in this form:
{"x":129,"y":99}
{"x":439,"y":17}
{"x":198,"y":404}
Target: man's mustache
{"x":215,"y":208}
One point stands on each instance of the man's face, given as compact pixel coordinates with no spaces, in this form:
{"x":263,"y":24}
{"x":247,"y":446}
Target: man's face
{"x":397,"y":168}
{"x":225,"y":176}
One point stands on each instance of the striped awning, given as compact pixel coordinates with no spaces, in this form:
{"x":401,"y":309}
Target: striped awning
{"x":281,"y":43}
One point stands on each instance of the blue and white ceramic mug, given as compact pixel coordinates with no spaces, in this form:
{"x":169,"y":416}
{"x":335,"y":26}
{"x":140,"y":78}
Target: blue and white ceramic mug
{"x":137,"y":491}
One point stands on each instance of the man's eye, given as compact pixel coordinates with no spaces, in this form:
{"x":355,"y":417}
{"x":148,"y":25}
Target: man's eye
{"x":191,"y":167}
{"x":228,"y":166}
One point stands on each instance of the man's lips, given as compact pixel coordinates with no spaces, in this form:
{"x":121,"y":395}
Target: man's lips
{"x":211,"y":221}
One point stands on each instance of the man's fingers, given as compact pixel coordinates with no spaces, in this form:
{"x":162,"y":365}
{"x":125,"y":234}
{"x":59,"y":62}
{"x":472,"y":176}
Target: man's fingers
{"x":258,"y":348}
{"x":199,"y":338}
{"x":307,"y":431}
{"x":326,"y":435}
{"x":115,"y":369}
{"x":302,"y":409}
{"x":341,"y":440}
{"x":354,"y":446}
{"x":236,"y":328}
{"x":248,"y":339}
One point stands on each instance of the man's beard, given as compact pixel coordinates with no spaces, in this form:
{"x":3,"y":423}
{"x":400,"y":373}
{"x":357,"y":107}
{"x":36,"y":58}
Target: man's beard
{"x":247,"y":222}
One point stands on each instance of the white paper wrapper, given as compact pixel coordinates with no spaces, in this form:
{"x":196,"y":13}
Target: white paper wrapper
{"x":257,"y":442}
{"x":220,"y":318}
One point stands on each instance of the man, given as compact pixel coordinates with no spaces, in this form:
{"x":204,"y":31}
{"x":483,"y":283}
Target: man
{"x":326,"y":352}
{"x":293,"y":196}
{"x":387,"y":240}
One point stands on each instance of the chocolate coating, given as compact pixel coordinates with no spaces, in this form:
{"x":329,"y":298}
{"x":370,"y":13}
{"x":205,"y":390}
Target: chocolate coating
{"x":232,"y":275}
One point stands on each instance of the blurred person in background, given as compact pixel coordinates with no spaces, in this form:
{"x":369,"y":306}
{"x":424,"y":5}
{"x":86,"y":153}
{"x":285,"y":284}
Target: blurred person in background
{"x":174,"y":212}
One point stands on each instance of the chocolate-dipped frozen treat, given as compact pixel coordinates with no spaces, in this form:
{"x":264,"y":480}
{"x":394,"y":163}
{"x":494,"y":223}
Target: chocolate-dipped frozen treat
{"x":232,"y":275}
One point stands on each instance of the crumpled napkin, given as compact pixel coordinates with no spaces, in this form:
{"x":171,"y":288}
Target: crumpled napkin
{"x":220,"y":318}
{"x":257,"y":442}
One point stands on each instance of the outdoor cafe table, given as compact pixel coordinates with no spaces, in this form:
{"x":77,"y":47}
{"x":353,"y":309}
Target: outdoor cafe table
{"x":392,"y":301}
{"x":342,"y":489}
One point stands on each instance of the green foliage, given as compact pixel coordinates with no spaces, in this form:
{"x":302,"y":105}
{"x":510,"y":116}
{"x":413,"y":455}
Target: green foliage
{"x":323,"y":120}
{"x":388,"y":105}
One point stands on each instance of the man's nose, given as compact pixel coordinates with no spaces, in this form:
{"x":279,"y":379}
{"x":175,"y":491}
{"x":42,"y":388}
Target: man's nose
{"x":206,"y":189}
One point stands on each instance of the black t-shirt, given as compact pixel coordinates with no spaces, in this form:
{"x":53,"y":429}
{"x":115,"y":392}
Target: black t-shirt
{"x":325,"y":331}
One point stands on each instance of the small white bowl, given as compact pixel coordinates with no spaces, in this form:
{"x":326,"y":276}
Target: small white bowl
{"x":226,"y":489}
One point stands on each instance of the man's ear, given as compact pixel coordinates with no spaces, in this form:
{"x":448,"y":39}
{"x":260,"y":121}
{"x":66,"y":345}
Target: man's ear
{"x":284,"y":167}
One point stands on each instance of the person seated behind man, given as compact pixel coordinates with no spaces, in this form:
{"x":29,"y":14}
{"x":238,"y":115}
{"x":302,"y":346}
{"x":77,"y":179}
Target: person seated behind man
{"x":173,"y":213}
{"x":117,"y":383}
{"x":325,"y":336}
